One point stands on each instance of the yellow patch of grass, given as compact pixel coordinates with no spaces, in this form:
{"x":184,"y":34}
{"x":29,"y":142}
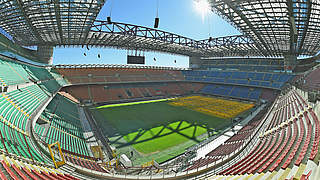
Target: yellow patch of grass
{"x":213,"y":106}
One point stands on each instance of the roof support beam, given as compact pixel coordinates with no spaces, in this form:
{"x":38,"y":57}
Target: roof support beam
{"x":57,"y":12}
{"x":34,"y":31}
{"x":248,"y":23}
{"x":306,"y":26}
{"x":246,"y":20}
{"x":127,"y":36}
{"x":293,"y":28}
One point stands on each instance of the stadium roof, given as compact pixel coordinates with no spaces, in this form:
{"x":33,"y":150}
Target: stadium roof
{"x":271,"y":28}
{"x":277,"y":27}
{"x":127,"y":36}
{"x":73,"y":23}
{"x":48,"y":22}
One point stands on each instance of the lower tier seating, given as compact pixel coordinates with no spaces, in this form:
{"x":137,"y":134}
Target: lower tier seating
{"x":16,"y":169}
{"x":283,"y":145}
{"x":63,"y":125}
{"x":86,"y":163}
{"x":290,"y":137}
{"x":105,"y":93}
{"x":230,"y":145}
{"x":232,"y":91}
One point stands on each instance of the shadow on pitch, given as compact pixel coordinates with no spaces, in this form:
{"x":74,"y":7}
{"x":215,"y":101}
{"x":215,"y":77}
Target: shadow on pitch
{"x":165,"y":130}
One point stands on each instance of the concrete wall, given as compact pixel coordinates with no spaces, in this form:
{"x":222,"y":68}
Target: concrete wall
{"x":45,"y":54}
{"x":194,"y":62}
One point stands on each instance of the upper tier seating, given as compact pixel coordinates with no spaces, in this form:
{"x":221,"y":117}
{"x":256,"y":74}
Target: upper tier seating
{"x":268,"y":80}
{"x":261,"y":65}
{"x":305,"y":64}
{"x":101,"y":74}
{"x":312,"y":80}
{"x":15,"y":73}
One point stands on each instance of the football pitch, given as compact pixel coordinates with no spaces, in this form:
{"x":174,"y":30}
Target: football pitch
{"x":159,"y":129}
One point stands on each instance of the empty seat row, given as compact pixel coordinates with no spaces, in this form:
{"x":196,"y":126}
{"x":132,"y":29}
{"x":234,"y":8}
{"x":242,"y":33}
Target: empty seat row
{"x":232,"y":91}
{"x":270,"y":80}
{"x":64,"y":126}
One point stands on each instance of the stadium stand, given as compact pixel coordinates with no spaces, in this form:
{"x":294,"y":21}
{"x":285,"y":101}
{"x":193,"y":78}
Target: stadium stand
{"x":290,"y":123}
{"x":16,"y":109}
{"x":11,"y":168}
{"x":265,"y":81}
{"x":113,"y":92}
{"x":64,"y":126}
{"x":13,"y":73}
{"x":229,"y":146}
{"x":290,"y":129}
{"x":290,"y":135}
{"x":311,"y":80}
{"x":117,"y":74}
{"x":232,"y":91}
{"x":304,"y":65}
{"x":255,"y":79}
{"x":244,"y":64}
{"x":86,"y":163}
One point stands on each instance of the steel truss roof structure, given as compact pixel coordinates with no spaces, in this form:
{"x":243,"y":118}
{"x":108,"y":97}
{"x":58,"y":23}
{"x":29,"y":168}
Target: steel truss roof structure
{"x":127,"y":36}
{"x":73,"y":23}
{"x":48,"y":22}
{"x":271,"y":28}
{"x":278,"y":27}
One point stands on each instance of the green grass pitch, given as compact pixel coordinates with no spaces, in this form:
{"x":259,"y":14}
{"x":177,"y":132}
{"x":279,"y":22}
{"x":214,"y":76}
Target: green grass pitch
{"x":167,"y":137}
{"x":153,"y":127}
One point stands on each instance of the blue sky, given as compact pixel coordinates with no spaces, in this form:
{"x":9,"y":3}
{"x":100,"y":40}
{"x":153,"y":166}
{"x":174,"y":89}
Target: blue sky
{"x":176,"y":16}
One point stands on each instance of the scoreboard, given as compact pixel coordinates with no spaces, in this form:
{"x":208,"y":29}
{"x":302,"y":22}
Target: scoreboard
{"x":136,"y":59}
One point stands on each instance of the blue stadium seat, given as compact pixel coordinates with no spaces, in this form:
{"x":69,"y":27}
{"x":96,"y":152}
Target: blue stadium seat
{"x":236,"y":78}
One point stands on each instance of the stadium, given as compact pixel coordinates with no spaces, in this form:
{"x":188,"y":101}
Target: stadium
{"x":243,"y":103}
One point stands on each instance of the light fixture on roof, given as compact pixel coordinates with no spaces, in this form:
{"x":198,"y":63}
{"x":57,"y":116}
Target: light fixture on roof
{"x":157,"y":20}
{"x":109,"y":17}
{"x":109,"y":20}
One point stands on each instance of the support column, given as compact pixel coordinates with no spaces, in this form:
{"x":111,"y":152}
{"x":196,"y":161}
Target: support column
{"x":45,"y":54}
{"x":290,"y":62}
{"x":195,"y":62}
